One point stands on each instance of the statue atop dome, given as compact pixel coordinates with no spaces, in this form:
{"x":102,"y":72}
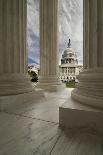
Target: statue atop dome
{"x":69,"y":44}
{"x":69,"y":56}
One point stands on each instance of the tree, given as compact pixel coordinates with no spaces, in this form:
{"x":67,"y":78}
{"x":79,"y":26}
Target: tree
{"x":33,"y":75}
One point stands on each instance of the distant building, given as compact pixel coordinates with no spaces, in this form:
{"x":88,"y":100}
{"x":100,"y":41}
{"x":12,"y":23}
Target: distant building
{"x":69,"y":67}
{"x":34,"y":68}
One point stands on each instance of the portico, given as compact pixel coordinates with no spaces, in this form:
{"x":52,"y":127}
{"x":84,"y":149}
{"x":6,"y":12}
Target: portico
{"x":29,"y":122}
{"x":13,"y":51}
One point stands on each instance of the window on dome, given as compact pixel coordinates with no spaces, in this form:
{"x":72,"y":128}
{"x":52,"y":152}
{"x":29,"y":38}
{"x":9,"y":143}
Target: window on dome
{"x":69,"y":60}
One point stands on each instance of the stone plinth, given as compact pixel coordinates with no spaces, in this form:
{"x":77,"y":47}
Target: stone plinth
{"x":76,"y":115}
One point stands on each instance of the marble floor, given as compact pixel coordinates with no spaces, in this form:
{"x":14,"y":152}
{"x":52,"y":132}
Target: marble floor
{"x":32,"y":128}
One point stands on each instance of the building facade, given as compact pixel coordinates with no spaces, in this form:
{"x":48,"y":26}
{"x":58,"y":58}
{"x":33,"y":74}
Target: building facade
{"x":69,"y":68}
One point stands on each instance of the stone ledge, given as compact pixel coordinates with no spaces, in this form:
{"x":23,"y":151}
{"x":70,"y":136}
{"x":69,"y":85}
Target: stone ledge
{"x":15,"y":101}
{"x":51,"y":87}
{"x":75,"y":115}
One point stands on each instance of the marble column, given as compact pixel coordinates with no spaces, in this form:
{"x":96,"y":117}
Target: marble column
{"x":49,"y":60}
{"x":13,"y":52}
{"x":90,"y":87}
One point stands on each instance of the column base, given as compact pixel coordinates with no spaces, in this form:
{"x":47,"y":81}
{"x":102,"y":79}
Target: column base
{"x":87,"y":99}
{"x":12,"y":84}
{"x":50,"y":83}
{"x":89,"y":90}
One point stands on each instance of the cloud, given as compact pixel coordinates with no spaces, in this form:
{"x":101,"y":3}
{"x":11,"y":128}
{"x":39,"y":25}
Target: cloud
{"x":70,"y":25}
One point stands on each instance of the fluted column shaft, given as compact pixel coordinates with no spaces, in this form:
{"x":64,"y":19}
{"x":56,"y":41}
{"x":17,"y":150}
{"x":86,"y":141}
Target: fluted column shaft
{"x":49,"y":63}
{"x":90,"y":87}
{"x":13,"y":54}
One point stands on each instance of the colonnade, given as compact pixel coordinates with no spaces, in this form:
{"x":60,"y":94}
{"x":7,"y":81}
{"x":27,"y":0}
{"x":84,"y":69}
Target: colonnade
{"x":13,"y":51}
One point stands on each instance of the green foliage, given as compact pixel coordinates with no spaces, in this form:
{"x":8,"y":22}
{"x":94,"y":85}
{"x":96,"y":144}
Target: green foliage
{"x":33,"y":75}
{"x":71,"y":84}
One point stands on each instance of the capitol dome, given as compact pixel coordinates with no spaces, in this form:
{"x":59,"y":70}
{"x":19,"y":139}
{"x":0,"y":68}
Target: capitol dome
{"x":69,"y":67}
{"x":69,"y":50}
{"x":69,"y":55}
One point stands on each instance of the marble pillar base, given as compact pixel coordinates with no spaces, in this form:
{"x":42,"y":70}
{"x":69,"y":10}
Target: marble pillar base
{"x":12,"y":84}
{"x":84,"y":98}
{"x":50,"y":83}
{"x":76,"y":115}
{"x":90,"y":88}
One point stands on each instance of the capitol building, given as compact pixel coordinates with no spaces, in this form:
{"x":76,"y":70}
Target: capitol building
{"x":69,"y":68}
{"x":47,"y":118}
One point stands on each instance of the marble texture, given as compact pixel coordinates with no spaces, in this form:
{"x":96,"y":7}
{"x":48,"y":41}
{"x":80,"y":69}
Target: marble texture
{"x":90,"y":87}
{"x":26,"y":136}
{"x":76,"y":115}
{"x":31,"y":128}
{"x":13,"y":50}
{"x":49,"y":53}
{"x":79,"y":142}
{"x":41,"y":106}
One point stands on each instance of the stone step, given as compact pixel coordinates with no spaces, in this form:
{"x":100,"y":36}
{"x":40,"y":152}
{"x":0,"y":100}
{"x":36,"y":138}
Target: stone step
{"x":15,"y":101}
{"x":76,"y":115}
